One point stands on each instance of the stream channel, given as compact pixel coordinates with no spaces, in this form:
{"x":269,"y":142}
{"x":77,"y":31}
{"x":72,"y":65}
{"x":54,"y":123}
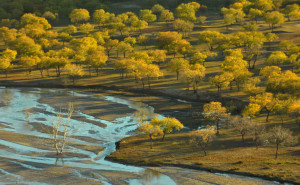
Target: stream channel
{"x":27,"y":156}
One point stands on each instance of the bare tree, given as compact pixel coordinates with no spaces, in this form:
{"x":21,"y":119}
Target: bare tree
{"x":280,"y":136}
{"x":242,"y":125}
{"x":203,"y":137}
{"x":258,"y":133}
{"x":60,"y":132}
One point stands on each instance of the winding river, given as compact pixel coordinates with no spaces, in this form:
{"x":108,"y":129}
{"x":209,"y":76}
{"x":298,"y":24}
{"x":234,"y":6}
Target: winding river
{"x":21,"y":161}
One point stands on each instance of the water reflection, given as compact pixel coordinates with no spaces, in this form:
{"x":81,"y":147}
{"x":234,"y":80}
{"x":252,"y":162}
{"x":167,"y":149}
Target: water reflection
{"x":151,"y":177}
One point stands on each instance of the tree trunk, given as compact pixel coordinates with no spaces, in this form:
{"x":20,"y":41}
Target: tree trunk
{"x":149,"y":83}
{"x":268,"y":114}
{"x":277,"y":146}
{"x":218,"y":133}
{"x":177,"y":73}
{"x":163,"y":138}
{"x":124,"y":54}
{"x":151,"y":142}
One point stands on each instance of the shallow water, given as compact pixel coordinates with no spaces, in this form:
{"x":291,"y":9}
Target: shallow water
{"x":13,"y":118}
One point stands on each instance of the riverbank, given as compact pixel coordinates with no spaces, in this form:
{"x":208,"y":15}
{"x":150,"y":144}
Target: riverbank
{"x":176,"y":151}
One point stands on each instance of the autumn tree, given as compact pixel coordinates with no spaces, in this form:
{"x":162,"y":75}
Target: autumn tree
{"x":101,"y":17}
{"x":232,"y":16}
{"x":203,"y":137}
{"x":29,"y":62}
{"x":216,"y":113}
{"x":266,"y":101}
{"x":26,"y":46}
{"x":255,"y":14}
{"x":110,"y":44}
{"x":290,"y":9}
{"x":199,"y":58}
{"x":122,"y":66}
{"x":183,"y":26}
{"x":142,"y":39}
{"x":166,"y":16}
{"x":147,"y":15}
{"x":211,"y":38}
{"x":7,"y":35}
{"x":221,"y":81}
{"x":70,"y":29}
{"x":96,"y":58}
{"x":276,"y":58}
{"x":150,"y":130}
{"x":74,"y":72}
{"x":86,"y":28}
{"x":166,"y":38}
{"x":280,"y":136}
{"x":235,"y":64}
{"x":64,"y":37}
{"x":124,"y":48}
{"x":167,"y":125}
{"x":79,"y":16}
{"x":142,"y":55}
{"x":193,"y":75}
{"x":294,"y":110}
{"x":274,"y":18}
{"x":177,"y":65}
{"x":157,"y":9}
{"x":5,"y":60}
{"x":158,"y":55}
{"x":187,"y":11}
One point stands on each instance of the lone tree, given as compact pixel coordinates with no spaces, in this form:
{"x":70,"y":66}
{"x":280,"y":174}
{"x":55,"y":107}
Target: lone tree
{"x":242,"y":125}
{"x":150,"y":130}
{"x":216,"y":113}
{"x":280,"y":136}
{"x":60,"y":130}
{"x":167,"y":125}
{"x":203,"y":137}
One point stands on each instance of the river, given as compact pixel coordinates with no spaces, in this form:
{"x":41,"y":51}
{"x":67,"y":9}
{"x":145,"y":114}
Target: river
{"x":27,"y":156}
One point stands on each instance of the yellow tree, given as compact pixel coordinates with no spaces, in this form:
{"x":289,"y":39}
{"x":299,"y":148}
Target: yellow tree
{"x":255,"y":13}
{"x":124,"y":48}
{"x":215,"y":112}
{"x":294,"y":110}
{"x":29,"y":62}
{"x":101,"y":17}
{"x":276,"y":58}
{"x":7,"y":35}
{"x":86,"y":28}
{"x":211,"y":38}
{"x":110,"y":44}
{"x":157,"y":9}
{"x":152,"y":71}
{"x":74,"y":71}
{"x":167,"y":125}
{"x":96,"y":58}
{"x":166,"y":16}
{"x":122,"y":66}
{"x":183,"y":26}
{"x":165,"y":38}
{"x":147,"y":15}
{"x":193,"y":75}
{"x":203,"y":137}
{"x":142,"y":55}
{"x":198,"y":58}
{"x":221,"y":81}
{"x":266,"y":101}
{"x":177,"y":65}
{"x":150,"y":130}
{"x":187,"y":11}
{"x":252,"y":110}
{"x":158,"y":55}
{"x":274,"y":18}
{"x":142,"y":39}
{"x":79,"y":15}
